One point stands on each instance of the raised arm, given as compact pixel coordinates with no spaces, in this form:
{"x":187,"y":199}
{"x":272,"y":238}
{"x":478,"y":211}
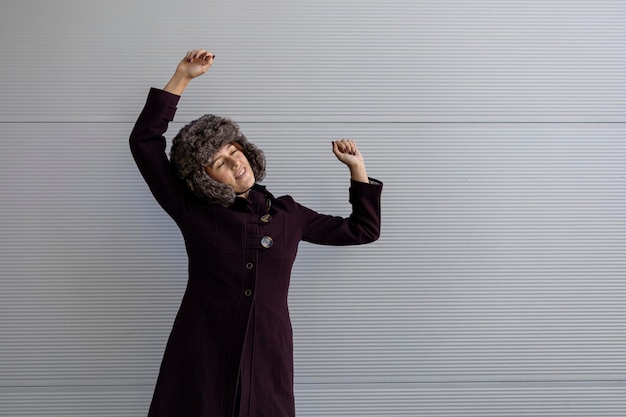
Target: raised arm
{"x":363,"y":225}
{"x":147,"y":141}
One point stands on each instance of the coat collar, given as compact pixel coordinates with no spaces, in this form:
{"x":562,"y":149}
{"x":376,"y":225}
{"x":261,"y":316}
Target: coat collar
{"x":259,"y":201}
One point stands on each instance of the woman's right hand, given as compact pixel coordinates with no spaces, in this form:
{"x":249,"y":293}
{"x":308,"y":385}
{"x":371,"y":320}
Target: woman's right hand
{"x":194,"y":64}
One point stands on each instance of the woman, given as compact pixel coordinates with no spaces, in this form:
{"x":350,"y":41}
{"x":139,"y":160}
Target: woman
{"x":230,"y":351}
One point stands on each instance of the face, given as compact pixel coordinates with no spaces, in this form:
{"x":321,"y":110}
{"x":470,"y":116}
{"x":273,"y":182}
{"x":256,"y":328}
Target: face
{"x":230,"y":166}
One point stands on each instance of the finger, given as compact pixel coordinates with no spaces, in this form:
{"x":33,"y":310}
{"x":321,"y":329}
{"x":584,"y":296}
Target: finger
{"x":198,"y":52}
{"x":347,"y":146}
{"x":191,"y":55}
{"x":195,"y":54}
{"x":337,"y":149}
{"x":352,"y":146}
{"x":207,"y":56}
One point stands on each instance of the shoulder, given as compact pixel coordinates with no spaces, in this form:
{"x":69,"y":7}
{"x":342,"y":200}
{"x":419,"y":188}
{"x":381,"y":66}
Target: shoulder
{"x":285,"y":201}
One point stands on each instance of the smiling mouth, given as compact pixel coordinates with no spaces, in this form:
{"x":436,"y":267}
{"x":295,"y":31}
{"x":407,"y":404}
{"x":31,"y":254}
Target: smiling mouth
{"x":241,"y":173}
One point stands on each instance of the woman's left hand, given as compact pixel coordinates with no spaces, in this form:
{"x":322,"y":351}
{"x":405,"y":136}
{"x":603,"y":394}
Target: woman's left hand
{"x":348,"y":153}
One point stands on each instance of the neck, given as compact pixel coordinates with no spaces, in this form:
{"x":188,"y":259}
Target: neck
{"x":243,"y":194}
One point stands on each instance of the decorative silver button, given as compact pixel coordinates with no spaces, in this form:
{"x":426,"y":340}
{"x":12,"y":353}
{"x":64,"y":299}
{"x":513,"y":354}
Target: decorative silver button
{"x":247,"y":293}
{"x":249,"y":265}
{"x":266,"y":218}
{"x":267,"y":242}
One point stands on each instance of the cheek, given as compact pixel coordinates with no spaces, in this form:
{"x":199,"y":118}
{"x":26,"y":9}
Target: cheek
{"x":217,"y":176}
{"x":245,"y":161}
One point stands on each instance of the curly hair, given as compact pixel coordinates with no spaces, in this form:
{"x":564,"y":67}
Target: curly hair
{"x":197,"y":142}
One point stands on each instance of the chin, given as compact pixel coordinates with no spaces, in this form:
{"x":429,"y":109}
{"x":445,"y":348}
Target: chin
{"x":250,"y":183}
{"x":244,"y":187}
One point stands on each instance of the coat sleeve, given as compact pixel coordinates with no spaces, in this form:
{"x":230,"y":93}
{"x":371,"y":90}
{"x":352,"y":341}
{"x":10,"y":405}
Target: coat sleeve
{"x":147,"y":145}
{"x":362,"y":226}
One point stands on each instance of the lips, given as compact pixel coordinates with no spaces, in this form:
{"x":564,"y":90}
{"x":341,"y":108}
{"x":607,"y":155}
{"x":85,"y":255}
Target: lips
{"x":241,"y":173}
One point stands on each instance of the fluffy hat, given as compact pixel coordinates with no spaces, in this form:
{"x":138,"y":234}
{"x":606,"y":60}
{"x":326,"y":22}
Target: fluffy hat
{"x":197,"y":142}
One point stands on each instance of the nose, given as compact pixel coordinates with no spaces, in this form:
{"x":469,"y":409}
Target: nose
{"x":233,"y":163}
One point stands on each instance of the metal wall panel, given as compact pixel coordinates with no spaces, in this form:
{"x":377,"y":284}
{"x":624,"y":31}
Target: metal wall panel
{"x":330,"y":400}
{"x":402,"y":61}
{"x":497,"y":287}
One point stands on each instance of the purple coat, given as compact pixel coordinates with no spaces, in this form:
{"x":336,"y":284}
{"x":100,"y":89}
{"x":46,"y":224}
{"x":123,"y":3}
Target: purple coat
{"x":232,"y":330}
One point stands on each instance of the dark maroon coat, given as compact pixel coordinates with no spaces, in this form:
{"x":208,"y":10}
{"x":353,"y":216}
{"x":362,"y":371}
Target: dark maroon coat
{"x":233,"y":322}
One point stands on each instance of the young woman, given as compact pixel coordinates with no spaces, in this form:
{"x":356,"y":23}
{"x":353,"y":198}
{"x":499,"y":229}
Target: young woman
{"x":230,"y":351}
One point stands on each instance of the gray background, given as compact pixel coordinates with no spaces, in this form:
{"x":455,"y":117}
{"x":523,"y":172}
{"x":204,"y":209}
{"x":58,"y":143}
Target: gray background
{"x":498,"y":285}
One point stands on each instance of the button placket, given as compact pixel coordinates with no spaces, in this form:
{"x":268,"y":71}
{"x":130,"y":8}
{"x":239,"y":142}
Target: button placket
{"x":250,"y":261}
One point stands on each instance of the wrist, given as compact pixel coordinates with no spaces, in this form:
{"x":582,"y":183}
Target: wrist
{"x":177,"y":83}
{"x":359,"y":173}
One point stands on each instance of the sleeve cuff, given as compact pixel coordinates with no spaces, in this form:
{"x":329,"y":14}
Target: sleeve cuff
{"x":372,"y":181}
{"x":163,"y":101}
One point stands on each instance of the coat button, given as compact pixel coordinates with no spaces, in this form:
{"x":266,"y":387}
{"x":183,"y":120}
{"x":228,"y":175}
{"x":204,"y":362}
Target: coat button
{"x":249,"y":265}
{"x":247,"y":293}
{"x":267,"y":242}
{"x":266,"y":218}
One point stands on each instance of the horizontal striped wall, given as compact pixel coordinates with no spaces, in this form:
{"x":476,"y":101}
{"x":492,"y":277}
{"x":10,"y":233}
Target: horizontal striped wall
{"x":497,"y":287}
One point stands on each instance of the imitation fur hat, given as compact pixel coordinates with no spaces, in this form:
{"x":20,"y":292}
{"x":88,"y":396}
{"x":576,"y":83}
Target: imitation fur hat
{"x":194,"y":146}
